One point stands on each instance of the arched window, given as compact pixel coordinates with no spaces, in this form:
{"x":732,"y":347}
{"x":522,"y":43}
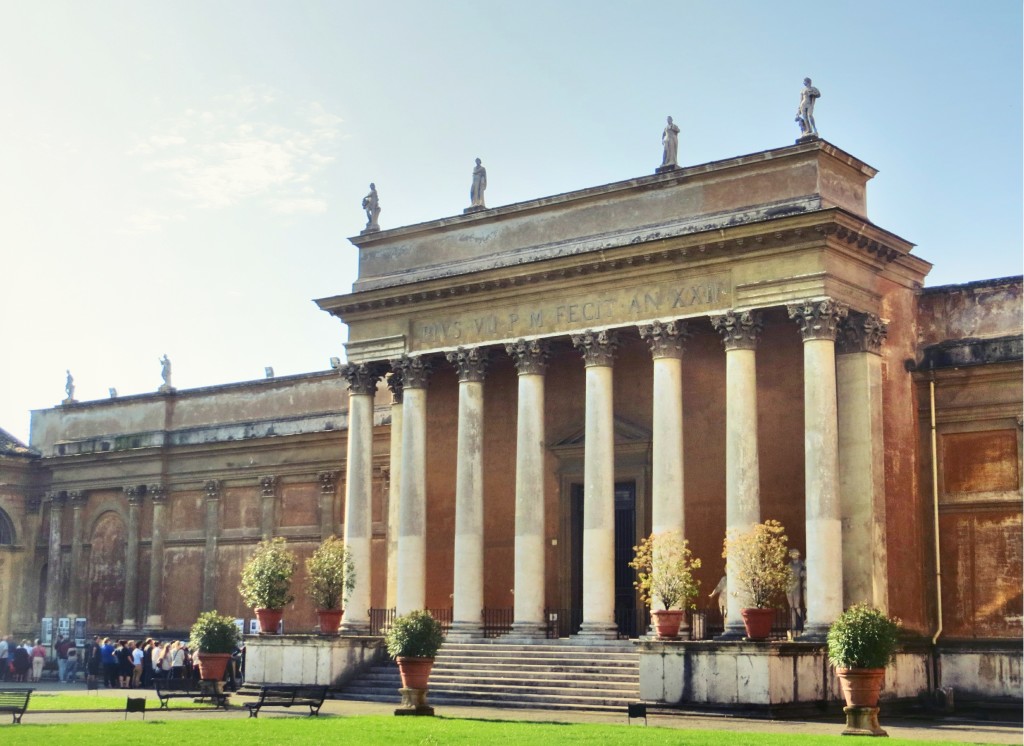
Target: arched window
{"x":6,"y":529}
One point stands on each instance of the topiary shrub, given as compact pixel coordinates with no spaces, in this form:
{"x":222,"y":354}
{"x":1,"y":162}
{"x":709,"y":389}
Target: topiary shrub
{"x":331,"y":574}
{"x":414,"y":635}
{"x":267,"y":576}
{"x":863,"y":637}
{"x":214,"y":632}
{"x":761,"y":561}
{"x":664,"y":570}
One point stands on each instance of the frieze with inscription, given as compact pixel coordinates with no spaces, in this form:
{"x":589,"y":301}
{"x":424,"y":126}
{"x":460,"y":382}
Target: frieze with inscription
{"x":574,"y":313}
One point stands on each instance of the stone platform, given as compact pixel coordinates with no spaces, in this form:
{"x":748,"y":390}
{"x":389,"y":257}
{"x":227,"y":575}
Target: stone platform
{"x":327,"y":660}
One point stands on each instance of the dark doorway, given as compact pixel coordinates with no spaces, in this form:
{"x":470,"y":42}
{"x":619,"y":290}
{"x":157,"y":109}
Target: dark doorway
{"x":625,"y":538}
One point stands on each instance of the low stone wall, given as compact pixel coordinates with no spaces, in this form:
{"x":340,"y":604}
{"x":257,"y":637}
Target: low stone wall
{"x":309,"y":659}
{"x":982,"y":669}
{"x":758,"y":674}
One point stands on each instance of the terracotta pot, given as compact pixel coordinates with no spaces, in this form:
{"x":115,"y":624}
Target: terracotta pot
{"x":414,"y":671}
{"x":330,"y":620}
{"x":667,"y":622}
{"x":861,"y":686}
{"x":213,"y":665}
{"x":758,"y":623}
{"x":269,"y":620}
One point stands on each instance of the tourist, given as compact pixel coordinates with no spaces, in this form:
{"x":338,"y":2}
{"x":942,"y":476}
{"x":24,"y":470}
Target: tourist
{"x":137,"y":657}
{"x":71,"y":672}
{"x":38,"y":654}
{"x":93,"y":661}
{"x":109,"y":663}
{"x":123,"y":654}
{"x":4,"y":670}
{"x":147,"y":663}
{"x":61,"y":649}
{"x":177,"y":660}
{"x":22,"y":661}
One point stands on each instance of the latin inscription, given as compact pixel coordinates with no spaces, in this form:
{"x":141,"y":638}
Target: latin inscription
{"x":622,"y":306}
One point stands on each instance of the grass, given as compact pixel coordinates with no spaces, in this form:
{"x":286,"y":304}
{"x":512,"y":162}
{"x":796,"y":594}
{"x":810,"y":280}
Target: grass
{"x":388,"y":729}
{"x":41,"y":702}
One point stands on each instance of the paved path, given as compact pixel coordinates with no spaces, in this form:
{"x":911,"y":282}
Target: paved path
{"x":947,"y":729}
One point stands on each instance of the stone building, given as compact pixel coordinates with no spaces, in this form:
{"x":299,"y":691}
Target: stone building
{"x":699,"y":349}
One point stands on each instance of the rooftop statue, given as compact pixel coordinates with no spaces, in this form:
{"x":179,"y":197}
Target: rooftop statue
{"x":805,"y":112}
{"x":371,"y":203}
{"x":69,"y":387}
{"x":165,"y":373}
{"x":476,"y":192}
{"x":670,"y":145}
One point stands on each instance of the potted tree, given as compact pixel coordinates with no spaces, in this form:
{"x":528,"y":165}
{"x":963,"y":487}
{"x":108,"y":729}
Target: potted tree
{"x":413,"y":641}
{"x":664,"y":570}
{"x":759,"y":558}
{"x":266,"y":582}
{"x":861,"y":643}
{"x":214,"y":638}
{"x":331,"y":576}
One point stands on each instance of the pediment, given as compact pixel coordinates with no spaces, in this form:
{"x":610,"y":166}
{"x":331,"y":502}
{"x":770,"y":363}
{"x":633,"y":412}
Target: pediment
{"x":626,"y":432}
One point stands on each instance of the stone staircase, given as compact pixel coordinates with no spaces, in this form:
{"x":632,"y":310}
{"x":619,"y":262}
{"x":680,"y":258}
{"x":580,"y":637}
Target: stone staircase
{"x":551,"y":674}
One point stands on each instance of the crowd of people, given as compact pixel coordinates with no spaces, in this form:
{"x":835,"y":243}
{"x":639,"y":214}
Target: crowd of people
{"x":118,"y":664}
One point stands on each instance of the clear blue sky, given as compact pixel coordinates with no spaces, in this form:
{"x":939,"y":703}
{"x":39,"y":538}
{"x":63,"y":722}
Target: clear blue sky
{"x":181,"y":177}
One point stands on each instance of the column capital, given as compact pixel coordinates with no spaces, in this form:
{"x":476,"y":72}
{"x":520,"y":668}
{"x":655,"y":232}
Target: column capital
{"x":56,"y":498}
{"x":666,"y":339}
{"x":597,"y":348}
{"x":212,"y":489}
{"x":268,"y":485}
{"x":394,"y":381}
{"x":134,"y":494}
{"x":740,"y":331}
{"x":470,"y":363}
{"x":861,"y":332}
{"x":819,"y":318}
{"x":362,"y":378}
{"x":77,"y":498}
{"x":529,"y":355}
{"x":327,"y":480}
{"x":157,"y":493}
{"x":415,"y":371}
{"x":33,"y":504}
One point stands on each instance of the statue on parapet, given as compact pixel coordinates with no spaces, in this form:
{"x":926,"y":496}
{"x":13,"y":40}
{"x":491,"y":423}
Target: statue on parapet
{"x":796,"y":593}
{"x":670,"y":147}
{"x":69,"y":388}
{"x":805,"y":111}
{"x":476,"y":191}
{"x":165,"y":373}
{"x":722,"y":591}
{"x":371,"y":203}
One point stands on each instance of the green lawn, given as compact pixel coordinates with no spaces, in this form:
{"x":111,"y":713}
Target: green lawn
{"x":40,"y":702}
{"x":369,"y":730}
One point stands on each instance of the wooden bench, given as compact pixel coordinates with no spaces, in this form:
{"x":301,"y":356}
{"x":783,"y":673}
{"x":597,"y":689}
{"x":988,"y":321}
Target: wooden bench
{"x":15,"y":701}
{"x":283,"y":695}
{"x":168,"y":689}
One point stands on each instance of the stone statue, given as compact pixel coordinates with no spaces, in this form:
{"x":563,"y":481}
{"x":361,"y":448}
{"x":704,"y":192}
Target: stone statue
{"x":371,"y":204}
{"x":805,"y":112}
{"x":722,"y":591}
{"x":670,"y":145}
{"x":796,"y":591}
{"x":165,"y":373}
{"x":476,"y":192}
{"x":69,"y":387}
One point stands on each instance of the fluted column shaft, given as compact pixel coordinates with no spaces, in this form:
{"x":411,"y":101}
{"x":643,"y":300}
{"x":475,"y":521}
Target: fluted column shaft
{"x":862,"y":460}
{"x":468,"y":600}
{"x":54,"y":573}
{"x":77,"y":580}
{"x":394,"y":486}
{"x":158,"y":495}
{"x":131,"y":559}
{"x":598,"y":349}
{"x":362,"y":383}
{"x":412,"y":520}
{"x":530,"y":358}
{"x":818,"y":320}
{"x":740,"y":332}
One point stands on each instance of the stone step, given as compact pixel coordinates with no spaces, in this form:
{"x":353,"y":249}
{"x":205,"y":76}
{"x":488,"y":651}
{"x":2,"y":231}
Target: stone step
{"x":540,"y":650}
{"x":599,"y":673}
{"x":510,"y":684}
{"x":624,"y":658}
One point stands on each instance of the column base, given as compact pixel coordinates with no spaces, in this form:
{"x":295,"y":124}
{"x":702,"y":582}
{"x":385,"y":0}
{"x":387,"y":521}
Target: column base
{"x":597,"y":631}
{"x":732,"y":632}
{"x":128,"y":625}
{"x":814,"y":633}
{"x":465,"y":631}
{"x":862,"y":721}
{"x":414,"y":702}
{"x":529,"y":630}
{"x":155,"y":621}
{"x":354,"y":629}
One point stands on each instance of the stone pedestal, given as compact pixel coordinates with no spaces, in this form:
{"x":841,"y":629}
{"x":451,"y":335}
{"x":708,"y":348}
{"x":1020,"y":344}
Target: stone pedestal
{"x":862,"y":721}
{"x":414,"y":702}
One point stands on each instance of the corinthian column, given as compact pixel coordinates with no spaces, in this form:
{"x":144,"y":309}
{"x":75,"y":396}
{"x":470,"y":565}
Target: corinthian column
{"x":530,"y":358}
{"x":862,"y":459}
{"x":212,"y":528}
{"x":54,"y":571}
{"x":131,"y":559}
{"x":362,"y":385}
{"x":818,"y":320}
{"x":411,"y":590}
{"x":394,"y":485}
{"x":598,"y":350}
{"x":468,"y":601}
{"x":158,"y":496}
{"x":740,"y":332}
